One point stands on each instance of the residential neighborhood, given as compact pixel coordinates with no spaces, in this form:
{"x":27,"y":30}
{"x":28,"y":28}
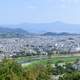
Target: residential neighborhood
{"x":38,"y":45}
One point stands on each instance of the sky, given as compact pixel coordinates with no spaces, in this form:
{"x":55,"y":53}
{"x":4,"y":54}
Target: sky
{"x":39,"y":11}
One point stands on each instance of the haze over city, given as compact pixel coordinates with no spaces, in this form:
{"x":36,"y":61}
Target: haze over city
{"x":39,"y":39}
{"x":25,"y":13}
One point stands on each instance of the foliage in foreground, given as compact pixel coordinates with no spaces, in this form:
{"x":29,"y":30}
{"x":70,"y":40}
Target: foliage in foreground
{"x":36,"y":72}
{"x":11,"y":70}
{"x":71,"y":76}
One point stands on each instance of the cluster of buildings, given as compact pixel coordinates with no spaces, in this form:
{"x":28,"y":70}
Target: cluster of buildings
{"x":39,"y":45}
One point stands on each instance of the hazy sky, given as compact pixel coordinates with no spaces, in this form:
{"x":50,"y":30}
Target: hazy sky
{"x":39,"y":11}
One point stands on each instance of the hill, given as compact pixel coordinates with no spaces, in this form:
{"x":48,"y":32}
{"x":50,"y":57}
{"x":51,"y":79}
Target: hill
{"x":50,"y":27}
{"x":58,"y":34}
{"x":45,"y":29}
{"x":10,"y":32}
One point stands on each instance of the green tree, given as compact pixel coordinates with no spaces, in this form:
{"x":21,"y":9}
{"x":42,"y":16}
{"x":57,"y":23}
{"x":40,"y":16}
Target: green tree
{"x":58,"y":70}
{"x":71,"y":76}
{"x":10,"y":70}
{"x":36,"y":72}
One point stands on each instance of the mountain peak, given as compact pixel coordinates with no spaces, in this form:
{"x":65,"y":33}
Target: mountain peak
{"x":57,"y":26}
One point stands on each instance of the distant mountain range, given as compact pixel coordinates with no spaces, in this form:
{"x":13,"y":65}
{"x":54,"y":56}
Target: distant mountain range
{"x":58,"y":34}
{"x":48,"y":27}
{"x":43,"y":29}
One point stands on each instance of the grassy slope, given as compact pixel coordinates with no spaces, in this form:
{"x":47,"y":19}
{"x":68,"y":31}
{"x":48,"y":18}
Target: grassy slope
{"x":25,"y":60}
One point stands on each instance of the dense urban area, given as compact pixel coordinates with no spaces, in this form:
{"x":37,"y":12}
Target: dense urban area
{"x":40,"y":57}
{"x":39,"y":45}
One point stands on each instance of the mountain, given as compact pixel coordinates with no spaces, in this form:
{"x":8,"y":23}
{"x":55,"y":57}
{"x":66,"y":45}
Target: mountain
{"x":57,"y":34}
{"x":10,"y":32}
{"x":48,"y":27}
{"x":54,"y":28}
